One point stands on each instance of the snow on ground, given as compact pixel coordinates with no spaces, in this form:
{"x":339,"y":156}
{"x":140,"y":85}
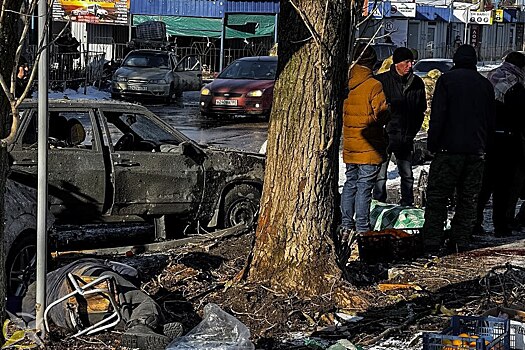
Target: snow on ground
{"x":91,"y":93}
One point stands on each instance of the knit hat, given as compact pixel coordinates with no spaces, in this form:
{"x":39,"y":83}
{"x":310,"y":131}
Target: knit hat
{"x":465,"y":57}
{"x":368,"y":58}
{"x":401,"y":54}
{"x":516,"y":58}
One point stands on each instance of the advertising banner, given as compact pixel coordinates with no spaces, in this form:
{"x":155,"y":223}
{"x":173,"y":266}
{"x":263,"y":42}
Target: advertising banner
{"x":476,"y":17}
{"x":92,"y":11}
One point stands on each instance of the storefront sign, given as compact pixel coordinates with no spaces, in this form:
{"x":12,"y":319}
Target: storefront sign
{"x":476,"y":17}
{"x":403,"y":9}
{"x":475,"y":35}
{"x":92,"y":11}
{"x":498,"y":16}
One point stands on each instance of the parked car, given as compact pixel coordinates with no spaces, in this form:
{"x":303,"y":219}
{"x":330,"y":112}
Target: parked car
{"x":157,"y":74}
{"x":383,"y":51}
{"x":20,"y":239}
{"x":244,"y":87}
{"x":423,"y":66}
{"x":117,"y":161}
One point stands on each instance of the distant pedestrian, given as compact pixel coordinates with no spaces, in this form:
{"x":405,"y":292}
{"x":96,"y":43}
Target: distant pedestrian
{"x":22,"y":79}
{"x":503,"y":177}
{"x":405,"y":95}
{"x":461,"y":119}
{"x":364,"y":145}
{"x":457,"y":42}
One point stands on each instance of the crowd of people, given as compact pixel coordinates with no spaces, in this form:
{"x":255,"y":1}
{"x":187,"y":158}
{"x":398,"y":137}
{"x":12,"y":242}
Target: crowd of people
{"x":474,"y":133}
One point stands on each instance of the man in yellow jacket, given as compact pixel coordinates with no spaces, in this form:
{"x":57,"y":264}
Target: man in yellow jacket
{"x":364,"y":144}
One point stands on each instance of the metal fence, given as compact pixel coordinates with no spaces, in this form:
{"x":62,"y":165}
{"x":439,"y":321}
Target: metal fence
{"x":208,"y":53}
{"x":72,"y":69}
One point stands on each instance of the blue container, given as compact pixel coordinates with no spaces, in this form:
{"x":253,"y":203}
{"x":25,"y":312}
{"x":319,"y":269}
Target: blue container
{"x":492,"y":329}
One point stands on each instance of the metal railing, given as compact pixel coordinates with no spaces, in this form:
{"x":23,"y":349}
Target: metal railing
{"x":72,"y":70}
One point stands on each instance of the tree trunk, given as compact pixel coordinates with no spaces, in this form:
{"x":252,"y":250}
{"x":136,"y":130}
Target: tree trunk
{"x":9,"y":35}
{"x":294,"y":249}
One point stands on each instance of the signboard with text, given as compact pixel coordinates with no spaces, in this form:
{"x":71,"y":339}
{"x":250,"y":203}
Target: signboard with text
{"x":403,"y":9}
{"x":481,"y":17}
{"x":92,"y":11}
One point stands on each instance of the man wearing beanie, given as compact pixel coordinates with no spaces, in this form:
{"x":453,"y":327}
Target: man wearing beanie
{"x":461,"y":119}
{"x":406,"y":97}
{"x":364,"y":146}
{"x":502,"y":176}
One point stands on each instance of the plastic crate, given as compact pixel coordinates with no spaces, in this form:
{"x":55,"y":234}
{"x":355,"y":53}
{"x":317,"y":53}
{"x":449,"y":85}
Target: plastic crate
{"x":494,"y":330}
{"x":389,"y":245}
{"x":151,"y":30}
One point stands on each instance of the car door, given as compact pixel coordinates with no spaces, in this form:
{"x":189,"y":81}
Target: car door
{"x":148,"y":181}
{"x":189,"y":72}
{"x":76,"y":170}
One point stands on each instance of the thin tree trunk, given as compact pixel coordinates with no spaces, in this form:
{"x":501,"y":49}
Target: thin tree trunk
{"x":9,"y":35}
{"x":294,"y":250}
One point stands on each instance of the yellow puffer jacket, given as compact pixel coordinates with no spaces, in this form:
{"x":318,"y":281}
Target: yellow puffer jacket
{"x":365,"y":113}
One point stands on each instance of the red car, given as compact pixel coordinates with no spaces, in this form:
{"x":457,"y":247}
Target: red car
{"x":244,"y":87}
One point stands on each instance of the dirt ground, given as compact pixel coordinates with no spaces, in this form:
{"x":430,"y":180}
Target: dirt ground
{"x":404,"y":297}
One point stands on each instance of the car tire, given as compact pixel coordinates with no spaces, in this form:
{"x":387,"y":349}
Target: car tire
{"x":115,"y":96}
{"x":20,"y":267}
{"x":241,"y":204}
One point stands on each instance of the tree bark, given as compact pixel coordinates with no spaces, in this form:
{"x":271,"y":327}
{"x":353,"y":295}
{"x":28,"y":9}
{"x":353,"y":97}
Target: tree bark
{"x":294,"y":249}
{"x":9,"y":35}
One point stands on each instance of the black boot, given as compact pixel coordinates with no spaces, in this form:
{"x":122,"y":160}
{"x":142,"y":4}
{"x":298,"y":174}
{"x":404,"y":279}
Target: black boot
{"x":143,"y":337}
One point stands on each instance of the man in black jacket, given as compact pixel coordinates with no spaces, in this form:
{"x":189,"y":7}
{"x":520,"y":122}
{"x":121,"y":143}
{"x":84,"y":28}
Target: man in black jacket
{"x":502,"y":176}
{"x":461,"y":119}
{"x":405,"y":94}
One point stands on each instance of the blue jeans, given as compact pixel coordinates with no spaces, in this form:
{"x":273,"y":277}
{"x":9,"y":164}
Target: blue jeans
{"x":404,"y":166}
{"x":357,"y":195}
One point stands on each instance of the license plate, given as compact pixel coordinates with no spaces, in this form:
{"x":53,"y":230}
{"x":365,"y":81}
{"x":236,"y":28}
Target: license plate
{"x":137,"y":88}
{"x":226,"y":102}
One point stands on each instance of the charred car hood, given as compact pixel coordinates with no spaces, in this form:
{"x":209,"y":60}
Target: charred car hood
{"x":239,"y":85}
{"x":141,"y":73}
{"x":236,"y":162}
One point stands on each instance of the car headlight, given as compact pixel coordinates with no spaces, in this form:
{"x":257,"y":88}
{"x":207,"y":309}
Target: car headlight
{"x":205,"y":92}
{"x":158,"y":81}
{"x":121,"y":79}
{"x":255,"y":93}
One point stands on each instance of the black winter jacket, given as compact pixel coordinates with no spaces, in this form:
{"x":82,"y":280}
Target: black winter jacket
{"x":407,"y":101}
{"x":463,"y":112}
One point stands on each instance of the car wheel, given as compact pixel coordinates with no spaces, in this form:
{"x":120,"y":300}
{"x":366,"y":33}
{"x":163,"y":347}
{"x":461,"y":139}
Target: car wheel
{"x":241,"y":205}
{"x":115,"y":96}
{"x":20,"y":268}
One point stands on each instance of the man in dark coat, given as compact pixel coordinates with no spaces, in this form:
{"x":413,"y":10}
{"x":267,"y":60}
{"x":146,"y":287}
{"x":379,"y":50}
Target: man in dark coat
{"x":461,"y":119}
{"x":406,"y":97}
{"x":502,"y":176}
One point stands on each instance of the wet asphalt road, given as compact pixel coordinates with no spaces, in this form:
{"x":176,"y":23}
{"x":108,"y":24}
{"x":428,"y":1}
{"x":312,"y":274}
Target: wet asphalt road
{"x":237,"y":132}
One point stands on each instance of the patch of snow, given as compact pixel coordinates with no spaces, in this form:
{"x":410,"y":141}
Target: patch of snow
{"x":92,"y":93}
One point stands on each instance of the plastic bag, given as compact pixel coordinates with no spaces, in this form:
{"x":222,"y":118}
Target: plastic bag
{"x":218,"y":330}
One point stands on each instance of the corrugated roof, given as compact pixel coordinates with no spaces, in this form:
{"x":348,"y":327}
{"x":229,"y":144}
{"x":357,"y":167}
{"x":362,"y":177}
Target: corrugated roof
{"x":202,"y":8}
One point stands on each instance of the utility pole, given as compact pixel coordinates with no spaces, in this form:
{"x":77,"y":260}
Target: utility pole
{"x":41,"y":220}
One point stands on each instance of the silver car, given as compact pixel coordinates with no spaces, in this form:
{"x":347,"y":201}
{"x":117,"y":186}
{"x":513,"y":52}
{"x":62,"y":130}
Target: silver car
{"x":156,"y":74}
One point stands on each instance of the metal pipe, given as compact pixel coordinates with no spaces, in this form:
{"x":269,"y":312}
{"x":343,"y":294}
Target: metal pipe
{"x":275,"y":38}
{"x":223,"y":38}
{"x":41,"y":234}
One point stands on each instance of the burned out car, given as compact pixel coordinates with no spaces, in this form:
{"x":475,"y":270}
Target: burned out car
{"x":117,"y":161}
{"x":20,"y":239}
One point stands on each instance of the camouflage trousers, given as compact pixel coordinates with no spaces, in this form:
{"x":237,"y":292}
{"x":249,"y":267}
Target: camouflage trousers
{"x":463,"y":174}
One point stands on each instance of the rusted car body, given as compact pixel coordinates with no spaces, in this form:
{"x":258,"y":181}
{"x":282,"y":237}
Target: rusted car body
{"x":117,"y":161}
